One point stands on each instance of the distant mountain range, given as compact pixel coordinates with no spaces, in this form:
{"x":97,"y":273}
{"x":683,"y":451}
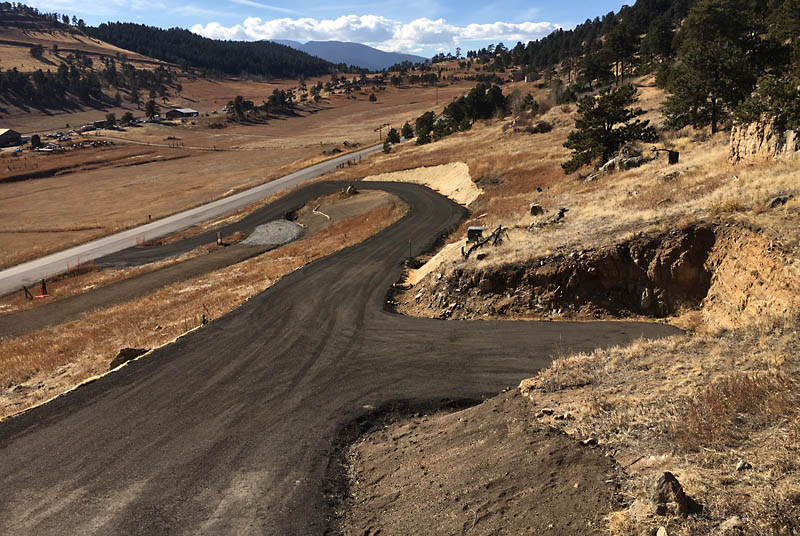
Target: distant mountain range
{"x":354,"y":54}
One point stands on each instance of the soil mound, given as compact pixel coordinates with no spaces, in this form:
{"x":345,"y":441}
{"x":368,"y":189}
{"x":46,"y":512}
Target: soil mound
{"x":451,"y":180}
{"x":490,"y":469}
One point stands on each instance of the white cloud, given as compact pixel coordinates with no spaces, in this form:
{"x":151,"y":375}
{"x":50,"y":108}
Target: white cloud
{"x":375,"y":30}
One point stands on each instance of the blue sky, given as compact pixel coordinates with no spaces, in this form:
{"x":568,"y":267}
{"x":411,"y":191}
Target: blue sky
{"x":417,"y":26}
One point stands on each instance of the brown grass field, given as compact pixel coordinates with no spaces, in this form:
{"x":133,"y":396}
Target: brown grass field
{"x":96,"y":191}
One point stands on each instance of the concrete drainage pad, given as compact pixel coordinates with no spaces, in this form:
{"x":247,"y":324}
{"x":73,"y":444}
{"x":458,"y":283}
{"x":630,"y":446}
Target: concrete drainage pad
{"x":274,"y":233}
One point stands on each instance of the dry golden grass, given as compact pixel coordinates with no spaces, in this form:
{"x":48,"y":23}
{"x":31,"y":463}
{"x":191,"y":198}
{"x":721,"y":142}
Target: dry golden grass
{"x":43,"y":364}
{"x":694,"y":406}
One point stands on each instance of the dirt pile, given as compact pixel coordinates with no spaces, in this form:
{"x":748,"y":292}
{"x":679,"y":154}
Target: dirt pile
{"x":452,"y":180}
{"x":731,"y":272}
{"x":490,"y":469}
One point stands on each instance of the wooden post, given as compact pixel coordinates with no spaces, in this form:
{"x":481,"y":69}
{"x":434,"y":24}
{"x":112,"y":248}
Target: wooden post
{"x":673,"y":157}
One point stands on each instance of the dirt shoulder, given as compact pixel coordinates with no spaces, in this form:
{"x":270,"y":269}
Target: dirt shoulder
{"x":490,"y":469}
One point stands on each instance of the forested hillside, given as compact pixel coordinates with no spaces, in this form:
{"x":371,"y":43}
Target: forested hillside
{"x":716,"y":58}
{"x":262,"y":58}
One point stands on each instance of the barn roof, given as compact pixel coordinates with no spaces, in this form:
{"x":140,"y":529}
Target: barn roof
{"x":185,"y":110}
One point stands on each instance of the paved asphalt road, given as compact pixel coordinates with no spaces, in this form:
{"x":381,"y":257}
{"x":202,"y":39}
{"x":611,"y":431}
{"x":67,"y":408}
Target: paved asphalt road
{"x":231,"y":429}
{"x":31,"y":272}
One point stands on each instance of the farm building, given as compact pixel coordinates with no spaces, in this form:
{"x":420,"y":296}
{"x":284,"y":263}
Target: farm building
{"x":9,"y":138}
{"x":179,"y":113}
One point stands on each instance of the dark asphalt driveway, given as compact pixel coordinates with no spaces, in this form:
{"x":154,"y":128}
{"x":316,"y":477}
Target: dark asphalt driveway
{"x":230,"y":429}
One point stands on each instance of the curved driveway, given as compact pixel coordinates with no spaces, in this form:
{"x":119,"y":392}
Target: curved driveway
{"x":230,"y":430}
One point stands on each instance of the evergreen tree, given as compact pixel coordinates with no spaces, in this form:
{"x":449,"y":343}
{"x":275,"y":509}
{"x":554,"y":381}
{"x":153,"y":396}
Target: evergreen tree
{"x":604,"y":124}
{"x":424,"y":127}
{"x":135,"y":98}
{"x":620,"y":45}
{"x":709,"y":81}
{"x":775,"y":100}
{"x":393,"y":136}
{"x":150,"y":108}
{"x":716,"y":68}
{"x":407,"y":131}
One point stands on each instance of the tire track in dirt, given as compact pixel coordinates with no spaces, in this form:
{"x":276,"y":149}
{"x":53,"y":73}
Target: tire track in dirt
{"x":231,"y":429}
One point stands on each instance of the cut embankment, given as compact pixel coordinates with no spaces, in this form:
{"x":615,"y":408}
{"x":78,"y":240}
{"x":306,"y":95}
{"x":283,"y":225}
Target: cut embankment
{"x":733,"y":274}
{"x":451,"y":180}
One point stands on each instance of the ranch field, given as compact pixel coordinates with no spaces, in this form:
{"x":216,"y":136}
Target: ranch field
{"x":120,"y":178}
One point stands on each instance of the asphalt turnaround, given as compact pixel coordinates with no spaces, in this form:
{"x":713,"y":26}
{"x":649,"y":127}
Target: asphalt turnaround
{"x":231,"y":429}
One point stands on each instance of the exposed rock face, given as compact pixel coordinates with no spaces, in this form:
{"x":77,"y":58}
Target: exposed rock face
{"x":733,"y":274}
{"x":651,"y":275}
{"x":761,"y":141}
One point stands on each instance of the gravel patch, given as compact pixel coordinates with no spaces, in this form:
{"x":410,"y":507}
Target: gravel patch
{"x":274,"y":233}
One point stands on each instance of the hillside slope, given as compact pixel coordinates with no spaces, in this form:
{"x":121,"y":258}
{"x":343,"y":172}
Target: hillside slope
{"x":262,"y":58}
{"x":21,"y":31}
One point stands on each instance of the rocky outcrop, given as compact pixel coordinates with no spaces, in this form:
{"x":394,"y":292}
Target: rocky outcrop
{"x":735,"y":275}
{"x":629,"y":157}
{"x":762,"y":141}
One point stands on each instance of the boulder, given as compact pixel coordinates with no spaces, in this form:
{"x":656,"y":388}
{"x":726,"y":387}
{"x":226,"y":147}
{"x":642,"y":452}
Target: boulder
{"x":668,"y":176}
{"x":630,"y":163}
{"x":667,"y":497}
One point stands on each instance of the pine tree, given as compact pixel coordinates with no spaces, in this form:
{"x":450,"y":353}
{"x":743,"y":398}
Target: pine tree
{"x":150,"y":108}
{"x":604,"y":124}
{"x":716,"y":68}
{"x":135,"y":98}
